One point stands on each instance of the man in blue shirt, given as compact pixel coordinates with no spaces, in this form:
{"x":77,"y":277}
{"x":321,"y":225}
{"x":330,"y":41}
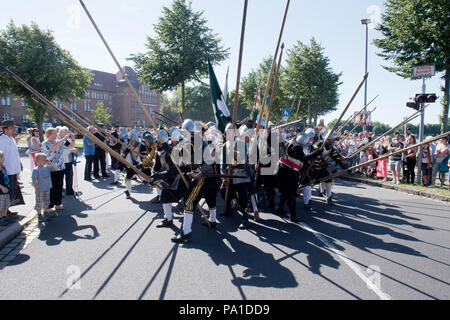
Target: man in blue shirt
{"x":89,"y":154}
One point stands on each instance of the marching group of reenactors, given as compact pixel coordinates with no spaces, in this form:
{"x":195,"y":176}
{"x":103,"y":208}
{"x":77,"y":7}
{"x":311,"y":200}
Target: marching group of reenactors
{"x":303,"y":161}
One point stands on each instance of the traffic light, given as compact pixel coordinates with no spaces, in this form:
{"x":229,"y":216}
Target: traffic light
{"x":413,"y":105}
{"x":425,"y":98}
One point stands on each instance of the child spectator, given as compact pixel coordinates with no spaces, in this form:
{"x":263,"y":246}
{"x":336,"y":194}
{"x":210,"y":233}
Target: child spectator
{"x":42,"y":183}
{"x":4,"y":193}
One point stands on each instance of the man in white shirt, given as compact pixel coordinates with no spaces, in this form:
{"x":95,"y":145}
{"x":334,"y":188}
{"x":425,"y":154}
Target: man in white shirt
{"x":8,"y":144}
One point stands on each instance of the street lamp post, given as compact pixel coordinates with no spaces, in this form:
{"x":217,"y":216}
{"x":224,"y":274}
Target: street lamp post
{"x":366,"y":22}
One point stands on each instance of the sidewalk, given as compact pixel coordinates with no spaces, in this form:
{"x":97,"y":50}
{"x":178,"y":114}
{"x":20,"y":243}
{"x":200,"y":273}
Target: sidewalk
{"x":25,"y":212}
{"x":402,"y":188}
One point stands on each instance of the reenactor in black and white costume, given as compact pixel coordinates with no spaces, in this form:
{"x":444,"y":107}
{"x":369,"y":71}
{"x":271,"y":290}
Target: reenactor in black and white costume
{"x":174,"y":189}
{"x":307,"y":142}
{"x":288,"y":174}
{"x":320,"y":166}
{"x":134,"y":159}
{"x":116,"y":165}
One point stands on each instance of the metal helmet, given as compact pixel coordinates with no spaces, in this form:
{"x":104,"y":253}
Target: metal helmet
{"x":134,"y":136}
{"x":149,"y":137}
{"x":176,"y":135}
{"x":310,"y":133}
{"x":210,"y":124}
{"x":228,"y":126}
{"x":164,"y":135}
{"x":333,"y":135}
{"x":302,"y":139}
{"x":243,"y":130}
{"x":188,"y":125}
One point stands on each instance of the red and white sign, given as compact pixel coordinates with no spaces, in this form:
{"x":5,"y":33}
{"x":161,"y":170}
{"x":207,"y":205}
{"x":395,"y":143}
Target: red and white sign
{"x":424,"y":71}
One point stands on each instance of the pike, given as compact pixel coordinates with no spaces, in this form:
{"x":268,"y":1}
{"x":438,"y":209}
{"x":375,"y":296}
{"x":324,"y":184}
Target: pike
{"x":161,"y":115}
{"x":337,"y":122}
{"x":356,"y":115}
{"x":272,"y":69}
{"x":357,"y":125}
{"x":236,"y":99}
{"x":275,"y":83}
{"x":412,"y":117}
{"x":274,"y":90}
{"x":133,"y":90}
{"x":72,"y":123}
{"x":288,"y":124}
{"x":103,"y":132}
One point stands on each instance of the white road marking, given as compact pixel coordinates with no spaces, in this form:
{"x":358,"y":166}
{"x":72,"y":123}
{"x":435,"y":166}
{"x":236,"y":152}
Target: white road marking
{"x":372,"y":286}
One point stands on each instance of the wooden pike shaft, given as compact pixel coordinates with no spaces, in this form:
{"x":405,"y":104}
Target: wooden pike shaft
{"x":337,"y":122}
{"x":73,"y":124}
{"x":356,"y":126}
{"x":356,"y":115}
{"x":266,"y":93}
{"x":160,"y":114}
{"x":345,"y":110}
{"x":103,"y":132}
{"x":133,"y":90}
{"x":413,"y":116}
{"x":444,"y":135}
{"x":236,"y":98}
{"x":275,"y":85}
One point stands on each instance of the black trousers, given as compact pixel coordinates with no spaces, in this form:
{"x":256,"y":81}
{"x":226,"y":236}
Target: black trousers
{"x":100,"y":157}
{"x":57,"y":188}
{"x":202,"y":188}
{"x":88,"y":167}
{"x":410,"y":174}
{"x":69,"y":177}
{"x":15,"y":194}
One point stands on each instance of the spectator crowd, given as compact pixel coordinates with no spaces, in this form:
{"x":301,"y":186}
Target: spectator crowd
{"x":403,"y":166}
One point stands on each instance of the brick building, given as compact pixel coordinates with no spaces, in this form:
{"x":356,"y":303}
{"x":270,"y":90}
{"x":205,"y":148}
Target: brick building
{"x":110,"y":89}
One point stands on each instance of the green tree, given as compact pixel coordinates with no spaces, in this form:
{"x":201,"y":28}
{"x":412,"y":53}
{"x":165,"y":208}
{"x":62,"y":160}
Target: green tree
{"x":417,"y":33}
{"x":101,"y":114}
{"x":34,"y":55}
{"x":179,"y":52}
{"x":309,"y":76}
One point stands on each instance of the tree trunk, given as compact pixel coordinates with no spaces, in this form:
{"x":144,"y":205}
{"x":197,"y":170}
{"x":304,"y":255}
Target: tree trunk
{"x":182,"y":97}
{"x":445,"y":107}
{"x":41,"y":135}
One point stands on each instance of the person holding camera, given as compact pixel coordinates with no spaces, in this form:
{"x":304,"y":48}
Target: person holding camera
{"x":54,"y":148}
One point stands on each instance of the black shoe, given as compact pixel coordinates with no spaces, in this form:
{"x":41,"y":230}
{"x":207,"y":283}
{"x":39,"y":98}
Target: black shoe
{"x":280,"y":212}
{"x":128,"y":195}
{"x":165,"y":224}
{"x":329,"y":201}
{"x":97,"y":177}
{"x":105,"y":175}
{"x":294,"y":219}
{"x":182,"y":238}
{"x":156,"y":200}
{"x":88,"y":179}
{"x":213,"y":224}
{"x":70,"y":193}
{"x":307,"y":207}
{"x":114,"y":183}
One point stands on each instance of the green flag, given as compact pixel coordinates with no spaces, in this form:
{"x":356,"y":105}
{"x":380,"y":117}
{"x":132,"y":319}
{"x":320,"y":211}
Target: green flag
{"x":220,"y":109}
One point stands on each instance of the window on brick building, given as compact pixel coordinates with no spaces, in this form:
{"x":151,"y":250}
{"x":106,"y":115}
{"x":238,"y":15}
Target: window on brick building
{"x":89,"y":94}
{"x":22,"y":100}
{"x":24,"y":119}
{"x":6,"y":116}
{"x":75,"y":106}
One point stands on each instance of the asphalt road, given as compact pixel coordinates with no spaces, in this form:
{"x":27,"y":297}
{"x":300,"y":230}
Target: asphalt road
{"x":372,"y":244}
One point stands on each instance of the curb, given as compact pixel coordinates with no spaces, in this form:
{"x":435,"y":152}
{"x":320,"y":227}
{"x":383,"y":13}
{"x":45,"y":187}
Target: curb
{"x":401,"y":189}
{"x":14,"y":229}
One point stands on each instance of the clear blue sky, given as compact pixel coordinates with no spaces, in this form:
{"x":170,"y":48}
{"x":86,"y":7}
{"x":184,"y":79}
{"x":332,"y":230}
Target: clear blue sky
{"x":335,"y":24}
